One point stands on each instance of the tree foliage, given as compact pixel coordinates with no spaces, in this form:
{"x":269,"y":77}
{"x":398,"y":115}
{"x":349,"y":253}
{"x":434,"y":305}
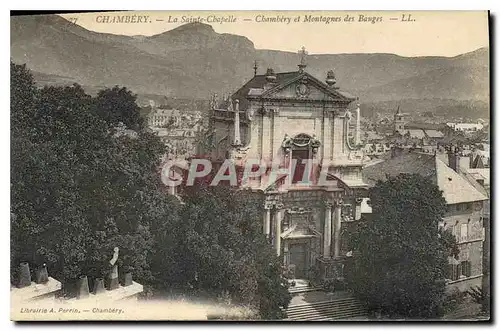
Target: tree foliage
{"x":77,"y":188}
{"x":81,"y":185}
{"x":221,"y":250}
{"x":402,"y":262}
{"x":117,"y":105}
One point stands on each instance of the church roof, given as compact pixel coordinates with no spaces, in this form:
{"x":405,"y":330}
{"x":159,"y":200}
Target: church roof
{"x":256,"y":87}
{"x":456,"y":189}
{"x":257,"y":83}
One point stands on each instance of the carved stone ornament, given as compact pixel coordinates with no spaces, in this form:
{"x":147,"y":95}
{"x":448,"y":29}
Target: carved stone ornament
{"x":250,"y":113}
{"x":348,"y":114}
{"x":315,"y":144}
{"x":238,"y":153}
{"x":302,"y":89}
{"x":287,"y":144}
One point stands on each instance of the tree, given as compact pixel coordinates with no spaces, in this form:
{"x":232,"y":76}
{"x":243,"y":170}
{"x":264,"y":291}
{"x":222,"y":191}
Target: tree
{"x":218,"y":248}
{"x":77,"y":188}
{"x":117,"y":105}
{"x":80,"y":187}
{"x":401,"y":261}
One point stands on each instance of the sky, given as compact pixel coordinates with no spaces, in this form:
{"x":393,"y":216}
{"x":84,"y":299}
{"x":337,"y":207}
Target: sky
{"x":424,"y":33}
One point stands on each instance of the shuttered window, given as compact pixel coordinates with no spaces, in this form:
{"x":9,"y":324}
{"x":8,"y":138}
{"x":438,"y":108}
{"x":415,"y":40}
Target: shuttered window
{"x":454,"y":271}
{"x":465,"y":268}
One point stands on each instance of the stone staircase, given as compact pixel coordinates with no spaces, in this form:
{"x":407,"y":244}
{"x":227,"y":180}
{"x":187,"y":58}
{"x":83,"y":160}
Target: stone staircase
{"x":330,"y":310}
{"x":301,"y":287}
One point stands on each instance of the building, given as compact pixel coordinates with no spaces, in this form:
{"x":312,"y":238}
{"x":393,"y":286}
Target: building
{"x":399,"y":123}
{"x":287,"y":117}
{"x":178,"y":130}
{"x":466,"y":212}
{"x":466,"y":127}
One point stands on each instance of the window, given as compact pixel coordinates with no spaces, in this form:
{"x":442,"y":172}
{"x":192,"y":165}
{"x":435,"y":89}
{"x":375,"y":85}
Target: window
{"x":464,"y":232}
{"x":454,"y":271}
{"x":459,"y":270}
{"x":465,"y":268}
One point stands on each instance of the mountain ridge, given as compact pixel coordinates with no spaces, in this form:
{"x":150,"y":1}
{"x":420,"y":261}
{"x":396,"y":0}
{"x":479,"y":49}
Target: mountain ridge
{"x":194,"y":61}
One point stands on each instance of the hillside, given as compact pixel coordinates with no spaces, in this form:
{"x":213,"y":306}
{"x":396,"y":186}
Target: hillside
{"x":193,"y":61}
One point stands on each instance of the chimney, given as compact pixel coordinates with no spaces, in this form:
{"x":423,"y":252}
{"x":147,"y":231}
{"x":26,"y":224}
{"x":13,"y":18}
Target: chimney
{"x":99,"y":286}
{"x":24,"y":275}
{"x":113,"y":278}
{"x":83,"y":287}
{"x":270,"y":78}
{"x":127,"y":279}
{"x":42,"y":275}
{"x":330,"y":79}
{"x":456,"y":160}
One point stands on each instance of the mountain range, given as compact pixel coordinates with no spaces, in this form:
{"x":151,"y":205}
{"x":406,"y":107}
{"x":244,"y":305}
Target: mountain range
{"x":193,"y":61}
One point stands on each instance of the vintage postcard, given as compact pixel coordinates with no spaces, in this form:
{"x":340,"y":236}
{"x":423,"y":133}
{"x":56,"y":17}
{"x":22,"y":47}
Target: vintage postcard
{"x":247,"y":165}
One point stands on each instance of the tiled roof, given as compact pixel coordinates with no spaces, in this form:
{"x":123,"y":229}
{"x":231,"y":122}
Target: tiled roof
{"x":415,"y":133}
{"x":456,"y":189}
{"x":434,"y":134}
{"x":414,"y":163}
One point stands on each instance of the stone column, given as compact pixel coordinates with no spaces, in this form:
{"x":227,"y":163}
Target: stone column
{"x":277,"y":224}
{"x":337,"y":229}
{"x":357,"y":137}
{"x":237,"y":137}
{"x":267,"y":221}
{"x":327,"y":234}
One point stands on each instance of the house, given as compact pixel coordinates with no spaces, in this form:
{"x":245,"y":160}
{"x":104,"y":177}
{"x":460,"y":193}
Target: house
{"x":466,"y":208}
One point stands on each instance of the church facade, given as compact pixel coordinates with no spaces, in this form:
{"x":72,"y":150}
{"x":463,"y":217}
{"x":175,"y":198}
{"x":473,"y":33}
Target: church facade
{"x":300,"y":123}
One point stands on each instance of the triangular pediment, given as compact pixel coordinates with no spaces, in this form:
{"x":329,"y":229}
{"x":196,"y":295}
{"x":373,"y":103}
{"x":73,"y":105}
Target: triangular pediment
{"x":306,"y":87}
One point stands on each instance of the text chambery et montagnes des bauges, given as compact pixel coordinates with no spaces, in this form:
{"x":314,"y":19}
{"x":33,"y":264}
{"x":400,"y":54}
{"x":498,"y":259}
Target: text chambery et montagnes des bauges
{"x":260,"y":18}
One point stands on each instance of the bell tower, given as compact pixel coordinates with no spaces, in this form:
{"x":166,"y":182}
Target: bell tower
{"x":399,"y":124}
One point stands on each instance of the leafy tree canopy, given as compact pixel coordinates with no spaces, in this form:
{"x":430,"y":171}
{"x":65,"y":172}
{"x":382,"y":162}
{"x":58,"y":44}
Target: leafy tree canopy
{"x":80,"y":187}
{"x":402,"y":260}
{"x":221,"y":249}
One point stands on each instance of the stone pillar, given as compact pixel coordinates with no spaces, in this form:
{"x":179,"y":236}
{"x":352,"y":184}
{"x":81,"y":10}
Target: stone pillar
{"x":357,"y":137}
{"x":327,"y":235}
{"x":337,"y":229}
{"x":267,"y":221}
{"x":237,"y":136}
{"x":277,"y":224}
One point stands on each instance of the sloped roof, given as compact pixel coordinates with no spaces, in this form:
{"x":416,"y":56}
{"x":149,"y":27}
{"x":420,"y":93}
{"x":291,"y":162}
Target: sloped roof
{"x":415,"y":133}
{"x":412,"y":163}
{"x":424,"y":126}
{"x":372,"y":135}
{"x":456,"y":189}
{"x":434,"y":134}
{"x":255,"y":86}
{"x":258,"y":82}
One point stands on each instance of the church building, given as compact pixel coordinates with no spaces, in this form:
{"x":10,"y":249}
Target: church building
{"x":291,"y":118}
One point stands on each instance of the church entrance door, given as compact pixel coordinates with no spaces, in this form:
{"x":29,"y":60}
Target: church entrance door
{"x":298,"y":257}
